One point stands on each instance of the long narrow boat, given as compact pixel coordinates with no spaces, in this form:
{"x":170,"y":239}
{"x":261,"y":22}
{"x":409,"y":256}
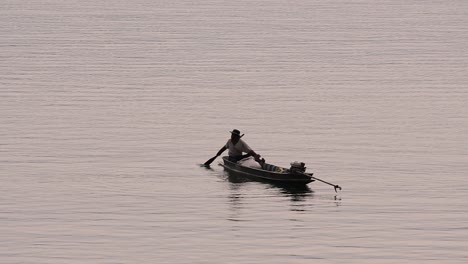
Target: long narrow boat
{"x":294,"y":175}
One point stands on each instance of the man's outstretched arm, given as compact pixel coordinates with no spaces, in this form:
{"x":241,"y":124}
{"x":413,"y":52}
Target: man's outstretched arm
{"x":221,"y":151}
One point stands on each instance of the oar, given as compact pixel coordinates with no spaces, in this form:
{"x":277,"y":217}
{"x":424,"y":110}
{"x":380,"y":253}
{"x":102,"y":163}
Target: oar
{"x":315,"y":178}
{"x":208,"y":162}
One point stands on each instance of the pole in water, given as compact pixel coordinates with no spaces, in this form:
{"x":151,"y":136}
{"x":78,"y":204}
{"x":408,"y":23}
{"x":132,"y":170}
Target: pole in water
{"x":337,"y":187}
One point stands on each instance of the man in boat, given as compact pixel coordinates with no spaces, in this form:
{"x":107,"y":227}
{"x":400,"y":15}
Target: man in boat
{"x":236,"y":147}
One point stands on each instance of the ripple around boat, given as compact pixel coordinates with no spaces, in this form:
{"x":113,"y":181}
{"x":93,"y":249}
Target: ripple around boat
{"x":268,"y":172}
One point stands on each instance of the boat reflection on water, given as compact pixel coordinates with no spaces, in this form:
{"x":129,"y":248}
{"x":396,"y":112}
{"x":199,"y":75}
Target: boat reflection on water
{"x":238,"y":198}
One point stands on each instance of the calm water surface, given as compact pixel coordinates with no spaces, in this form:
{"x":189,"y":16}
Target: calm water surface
{"x":108,"y":107}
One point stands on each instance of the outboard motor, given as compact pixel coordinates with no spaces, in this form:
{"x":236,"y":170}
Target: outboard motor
{"x":297,"y":167}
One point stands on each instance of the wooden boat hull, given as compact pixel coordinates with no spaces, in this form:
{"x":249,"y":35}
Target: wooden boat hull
{"x":279,"y":177}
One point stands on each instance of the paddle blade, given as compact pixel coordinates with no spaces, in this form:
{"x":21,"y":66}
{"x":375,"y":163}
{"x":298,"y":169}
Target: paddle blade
{"x":208,"y":162}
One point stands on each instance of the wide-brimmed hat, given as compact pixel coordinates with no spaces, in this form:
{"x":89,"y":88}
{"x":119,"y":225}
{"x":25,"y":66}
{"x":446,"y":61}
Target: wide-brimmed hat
{"x":235,"y":132}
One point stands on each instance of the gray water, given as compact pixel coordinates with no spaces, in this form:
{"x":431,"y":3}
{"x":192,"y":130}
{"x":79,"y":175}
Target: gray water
{"x":107,"y":108}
